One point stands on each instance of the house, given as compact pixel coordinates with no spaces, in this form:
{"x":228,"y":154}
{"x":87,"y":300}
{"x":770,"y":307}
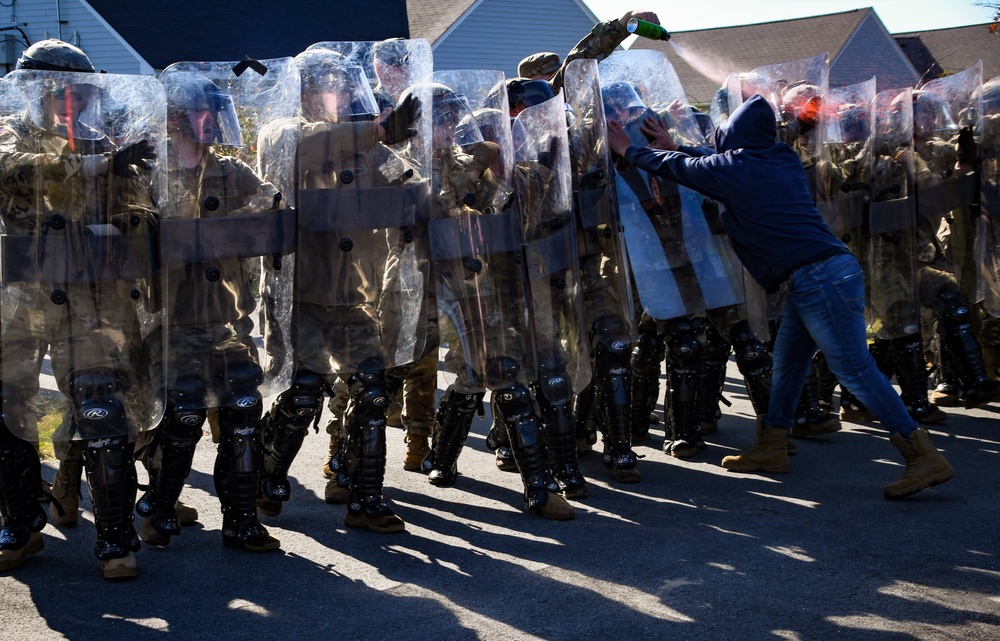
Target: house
{"x":125,"y":36}
{"x":938,"y":52}
{"x":497,"y":34}
{"x":857,"y":43}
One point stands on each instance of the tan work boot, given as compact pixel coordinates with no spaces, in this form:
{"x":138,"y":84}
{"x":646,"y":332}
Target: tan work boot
{"x":150,"y":534}
{"x":334,"y":451}
{"x":375,"y":516}
{"x":925,"y":466}
{"x":336,"y":494}
{"x":10,"y":558}
{"x":946,"y":395}
{"x":66,"y":493}
{"x":417,"y":449}
{"x":394,"y":413}
{"x":555,"y":508}
{"x":793,"y":449}
{"x":769,"y":453}
{"x":186,"y":515}
{"x":123,"y":568}
{"x":709,"y":427}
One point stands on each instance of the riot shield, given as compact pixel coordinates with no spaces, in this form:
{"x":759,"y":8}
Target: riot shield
{"x":893,"y":303}
{"x":726,"y":100}
{"x":544,"y":193}
{"x":604,"y":270}
{"x":987,"y":253}
{"x":843,"y":173}
{"x":362,"y":192}
{"x":227,"y":237}
{"x":947,"y":182}
{"x":794,"y":90}
{"x":390,"y":65}
{"x":77,"y":253}
{"x":680,"y":259}
{"x":476,"y":234}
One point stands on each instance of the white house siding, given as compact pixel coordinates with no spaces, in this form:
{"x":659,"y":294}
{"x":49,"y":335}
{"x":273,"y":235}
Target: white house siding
{"x":871,"y":51}
{"x":82,"y":28}
{"x":497,"y":34}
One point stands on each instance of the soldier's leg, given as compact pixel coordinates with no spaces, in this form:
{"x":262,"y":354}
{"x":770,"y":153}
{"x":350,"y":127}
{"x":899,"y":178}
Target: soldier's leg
{"x":650,"y":350}
{"x":64,"y":509}
{"x":711,"y":378}
{"x":753,"y":359}
{"x":826,"y":382}
{"x":989,"y":338}
{"x":613,"y":386}
{"x":169,"y":462}
{"x":23,"y":517}
{"x":419,"y":399}
{"x":810,"y":418}
{"x":370,"y":392}
{"x":523,"y":427}
{"x":237,"y":463}
{"x":451,"y":429}
{"x":338,"y":485}
{"x":285,"y":427}
{"x":911,"y":373}
{"x":684,"y":352}
{"x":98,"y":411}
{"x":555,"y":405}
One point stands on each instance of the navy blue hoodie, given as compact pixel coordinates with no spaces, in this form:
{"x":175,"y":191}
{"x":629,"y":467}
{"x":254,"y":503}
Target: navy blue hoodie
{"x":770,"y":216}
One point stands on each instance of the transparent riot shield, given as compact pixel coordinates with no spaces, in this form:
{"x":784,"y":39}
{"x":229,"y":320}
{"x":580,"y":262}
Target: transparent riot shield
{"x":362,"y":190}
{"x":78,"y":353}
{"x":946,"y":115}
{"x":544,"y":196}
{"x":227,"y":237}
{"x":391,"y":66}
{"x":680,"y":259}
{"x":726,"y":100}
{"x":893,"y":303}
{"x":987,"y":253}
{"x":843,"y":173}
{"x":604,"y":271}
{"x":476,"y":233}
{"x":794,"y":90}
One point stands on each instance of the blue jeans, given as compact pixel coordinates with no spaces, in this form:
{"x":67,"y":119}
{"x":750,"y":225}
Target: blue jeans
{"x":825,"y":309}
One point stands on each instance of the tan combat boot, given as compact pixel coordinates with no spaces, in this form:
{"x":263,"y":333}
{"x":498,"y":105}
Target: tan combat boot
{"x":13,"y":558}
{"x":417,"y":449}
{"x":65,"y":506}
{"x":925,"y":467}
{"x":334,"y":451}
{"x":186,"y":515}
{"x":556,"y":508}
{"x":793,"y":449}
{"x":123,"y":568}
{"x":769,"y":453}
{"x":335,"y":494}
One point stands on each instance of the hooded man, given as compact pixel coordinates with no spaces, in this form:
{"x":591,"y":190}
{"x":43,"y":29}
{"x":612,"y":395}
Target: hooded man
{"x":765,"y":191}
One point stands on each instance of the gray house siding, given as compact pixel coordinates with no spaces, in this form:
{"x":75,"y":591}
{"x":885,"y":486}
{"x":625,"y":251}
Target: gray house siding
{"x":497,"y":34}
{"x":871,"y":51}
{"x":81,"y":27}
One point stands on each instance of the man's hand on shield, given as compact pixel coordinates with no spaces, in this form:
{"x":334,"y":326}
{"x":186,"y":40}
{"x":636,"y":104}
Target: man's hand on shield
{"x":139,"y":154}
{"x":397,"y":126}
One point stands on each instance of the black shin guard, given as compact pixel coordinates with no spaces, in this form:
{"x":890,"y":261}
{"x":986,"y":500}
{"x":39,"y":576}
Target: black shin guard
{"x":285,"y":427}
{"x":907,"y":354}
{"x":112,"y":480}
{"x":451,"y":429}
{"x":684,"y":352}
{"x":649,"y":351}
{"x":712,"y":377}
{"x":753,"y":359}
{"x":20,"y":484}
{"x":527,"y":444}
{"x":365,"y":421}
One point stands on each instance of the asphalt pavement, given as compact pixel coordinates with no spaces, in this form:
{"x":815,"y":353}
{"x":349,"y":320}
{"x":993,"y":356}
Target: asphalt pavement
{"x":691,"y":552}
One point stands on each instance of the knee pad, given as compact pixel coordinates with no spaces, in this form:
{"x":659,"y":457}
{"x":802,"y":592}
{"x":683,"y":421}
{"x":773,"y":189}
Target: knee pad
{"x":716,"y":348}
{"x":186,"y":408}
{"x":502,"y":372}
{"x":647,"y":354}
{"x":97,"y":403}
{"x":241,"y":406}
{"x":514,"y":403}
{"x":683,"y":347}
{"x":299,"y":405}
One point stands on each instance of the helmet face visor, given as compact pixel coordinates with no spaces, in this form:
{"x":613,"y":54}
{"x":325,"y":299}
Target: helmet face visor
{"x":71,"y":110}
{"x":226,"y":121}
{"x":340,"y":93}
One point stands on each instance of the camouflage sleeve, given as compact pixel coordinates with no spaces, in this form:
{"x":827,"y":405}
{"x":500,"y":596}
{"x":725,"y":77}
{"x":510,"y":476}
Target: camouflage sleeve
{"x":603,"y":39}
{"x":256,"y":194}
{"x":20,"y":170}
{"x":322,"y":142}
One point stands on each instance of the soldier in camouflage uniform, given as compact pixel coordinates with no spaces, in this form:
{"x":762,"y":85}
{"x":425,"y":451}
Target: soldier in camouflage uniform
{"x":61,"y":176}
{"x":212,"y":362}
{"x":341,"y":150}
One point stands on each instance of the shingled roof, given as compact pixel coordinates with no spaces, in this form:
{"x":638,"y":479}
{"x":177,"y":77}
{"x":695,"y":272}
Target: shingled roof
{"x":714,"y":53}
{"x":430,"y":19}
{"x":943,"y":51}
{"x":166,"y":32}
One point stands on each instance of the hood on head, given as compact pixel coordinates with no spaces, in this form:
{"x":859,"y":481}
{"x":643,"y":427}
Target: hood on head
{"x":750,"y":126}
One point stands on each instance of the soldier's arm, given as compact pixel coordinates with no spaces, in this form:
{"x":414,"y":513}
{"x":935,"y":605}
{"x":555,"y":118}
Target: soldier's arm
{"x":602,"y":40}
{"x":19,"y":170}
{"x":323,"y":142}
{"x":256,"y":194}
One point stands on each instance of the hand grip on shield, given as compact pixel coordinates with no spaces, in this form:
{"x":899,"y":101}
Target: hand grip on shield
{"x":398,"y":125}
{"x":139,"y":154}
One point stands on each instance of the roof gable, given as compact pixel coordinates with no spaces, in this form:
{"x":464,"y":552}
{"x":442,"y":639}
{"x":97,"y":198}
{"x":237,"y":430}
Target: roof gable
{"x":167,"y":32}
{"x":944,"y":51}
{"x":430,"y":19}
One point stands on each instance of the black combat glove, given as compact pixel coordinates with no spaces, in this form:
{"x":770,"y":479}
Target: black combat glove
{"x":398,"y":125}
{"x":548,"y":157}
{"x":968,"y":149}
{"x":139,"y":154}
